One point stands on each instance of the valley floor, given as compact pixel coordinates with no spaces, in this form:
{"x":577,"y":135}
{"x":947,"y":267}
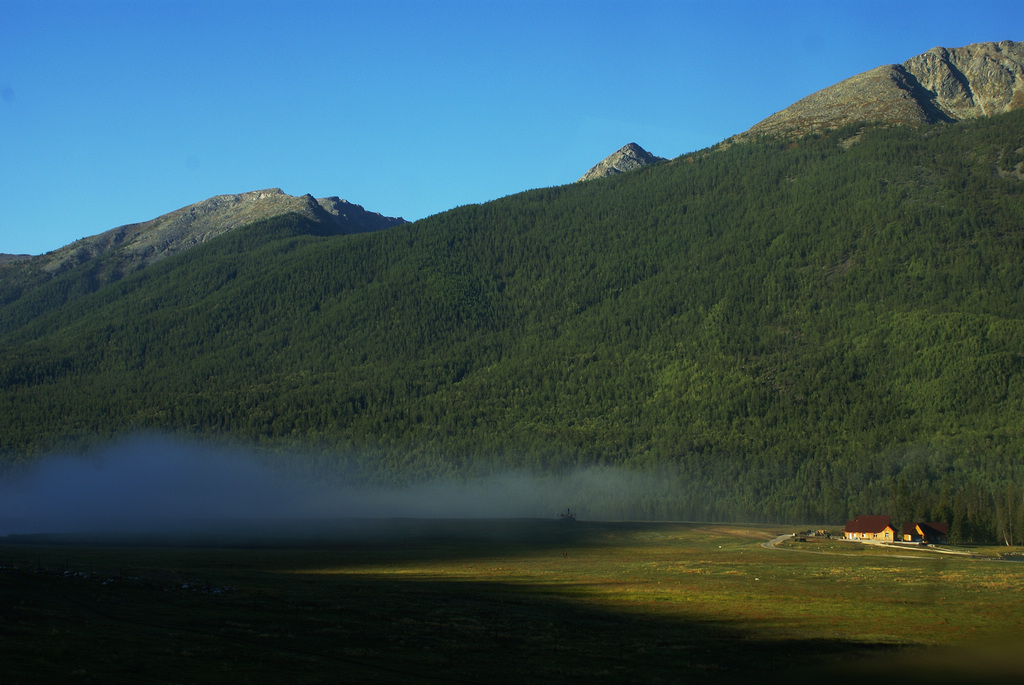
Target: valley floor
{"x":501,"y":601}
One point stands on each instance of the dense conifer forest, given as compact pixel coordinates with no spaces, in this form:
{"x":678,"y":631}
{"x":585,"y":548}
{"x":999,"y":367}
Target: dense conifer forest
{"x":766,"y":331}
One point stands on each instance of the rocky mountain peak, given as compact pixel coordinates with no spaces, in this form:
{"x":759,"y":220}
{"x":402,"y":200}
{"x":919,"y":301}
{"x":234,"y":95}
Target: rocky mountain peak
{"x":137,"y":245}
{"x":942,"y":84}
{"x":627,"y":158}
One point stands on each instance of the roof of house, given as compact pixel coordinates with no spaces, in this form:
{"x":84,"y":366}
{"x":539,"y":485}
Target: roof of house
{"x":868,"y":523}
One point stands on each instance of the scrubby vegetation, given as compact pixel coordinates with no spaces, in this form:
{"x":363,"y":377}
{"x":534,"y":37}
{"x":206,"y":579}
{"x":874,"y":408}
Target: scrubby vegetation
{"x":781,"y":330}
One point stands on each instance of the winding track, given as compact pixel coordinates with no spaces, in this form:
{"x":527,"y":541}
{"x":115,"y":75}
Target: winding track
{"x":771,"y":544}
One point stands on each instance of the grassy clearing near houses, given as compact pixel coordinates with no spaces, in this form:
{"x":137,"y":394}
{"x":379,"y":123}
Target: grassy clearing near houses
{"x":500,"y":601}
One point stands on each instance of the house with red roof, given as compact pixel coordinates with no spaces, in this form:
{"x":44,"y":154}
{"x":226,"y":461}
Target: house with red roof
{"x":926,"y":532}
{"x":870,"y":527}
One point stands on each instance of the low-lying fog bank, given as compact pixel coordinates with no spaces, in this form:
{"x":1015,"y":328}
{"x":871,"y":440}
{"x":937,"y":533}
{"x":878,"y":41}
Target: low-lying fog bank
{"x":171,"y":487}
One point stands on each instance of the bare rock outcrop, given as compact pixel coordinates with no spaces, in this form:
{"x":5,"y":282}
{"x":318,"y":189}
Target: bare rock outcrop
{"x":973,"y":81}
{"x":628,"y":158}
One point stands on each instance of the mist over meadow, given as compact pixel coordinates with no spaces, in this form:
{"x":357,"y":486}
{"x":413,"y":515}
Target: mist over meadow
{"x":159,"y":484}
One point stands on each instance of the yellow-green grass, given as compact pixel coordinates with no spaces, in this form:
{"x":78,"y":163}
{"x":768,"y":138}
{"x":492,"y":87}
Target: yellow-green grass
{"x":503,"y":601}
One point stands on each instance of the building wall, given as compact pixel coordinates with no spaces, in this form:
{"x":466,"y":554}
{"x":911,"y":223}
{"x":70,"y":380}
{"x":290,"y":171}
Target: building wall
{"x":886,"y":535}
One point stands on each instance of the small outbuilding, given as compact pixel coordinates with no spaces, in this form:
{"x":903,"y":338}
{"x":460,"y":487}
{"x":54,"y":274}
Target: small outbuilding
{"x":926,"y":532}
{"x":870,"y":527}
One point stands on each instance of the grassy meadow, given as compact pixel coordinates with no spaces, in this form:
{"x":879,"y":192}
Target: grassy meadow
{"x":501,"y":601}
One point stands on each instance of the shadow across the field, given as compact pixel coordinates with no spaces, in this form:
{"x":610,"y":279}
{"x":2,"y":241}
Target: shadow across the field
{"x":371,"y":603}
{"x":360,"y":629}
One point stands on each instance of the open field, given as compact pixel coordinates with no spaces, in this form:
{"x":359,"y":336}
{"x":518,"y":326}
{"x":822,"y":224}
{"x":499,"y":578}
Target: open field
{"x":500,"y":601}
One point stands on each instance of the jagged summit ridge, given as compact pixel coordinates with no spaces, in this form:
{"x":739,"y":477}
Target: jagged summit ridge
{"x":144,"y":243}
{"x":940,"y":85}
{"x":627,"y":158}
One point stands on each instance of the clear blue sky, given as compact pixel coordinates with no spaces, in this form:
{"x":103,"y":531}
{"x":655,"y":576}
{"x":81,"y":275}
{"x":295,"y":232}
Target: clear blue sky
{"x":118,"y":112}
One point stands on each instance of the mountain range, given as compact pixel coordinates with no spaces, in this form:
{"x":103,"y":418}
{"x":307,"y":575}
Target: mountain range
{"x":788,"y":326}
{"x":940,"y":85}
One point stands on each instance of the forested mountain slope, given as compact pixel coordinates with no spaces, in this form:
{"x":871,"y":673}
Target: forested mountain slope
{"x":779,"y":330}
